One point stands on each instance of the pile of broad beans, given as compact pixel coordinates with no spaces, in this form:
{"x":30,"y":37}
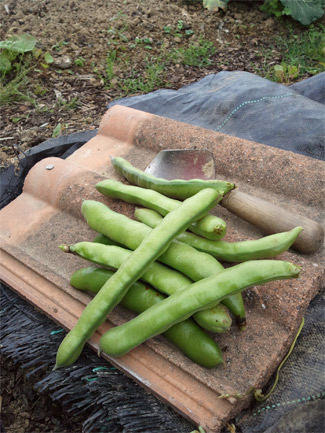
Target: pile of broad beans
{"x":164,"y":266}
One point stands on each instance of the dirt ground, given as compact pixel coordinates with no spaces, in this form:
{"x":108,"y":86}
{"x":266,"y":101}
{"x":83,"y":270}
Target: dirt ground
{"x":92,"y":43}
{"x":24,"y":410}
{"x":75,"y":89}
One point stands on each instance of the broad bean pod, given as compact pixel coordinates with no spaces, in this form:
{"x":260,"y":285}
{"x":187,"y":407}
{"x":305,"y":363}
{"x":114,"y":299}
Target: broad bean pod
{"x":115,"y":288}
{"x":202,"y":294}
{"x":186,"y":335}
{"x":210,"y":226}
{"x":161,"y":277}
{"x":177,"y":188}
{"x":184,"y":258}
{"x":263,"y":248}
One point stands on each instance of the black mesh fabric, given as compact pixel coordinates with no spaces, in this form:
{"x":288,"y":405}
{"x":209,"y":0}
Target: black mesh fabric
{"x":109,"y":401}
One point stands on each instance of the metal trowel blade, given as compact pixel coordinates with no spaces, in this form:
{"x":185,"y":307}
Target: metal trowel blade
{"x":183,"y":164}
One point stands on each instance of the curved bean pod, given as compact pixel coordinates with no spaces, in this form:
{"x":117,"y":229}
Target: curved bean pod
{"x":186,"y":259}
{"x":115,"y":288}
{"x":161,"y":277}
{"x":210,"y":226}
{"x":263,"y":248}
{"x":203,"y":294}
{"x":177,"y":188}
{"x":102,"y":239}
{"x":186,"y":335}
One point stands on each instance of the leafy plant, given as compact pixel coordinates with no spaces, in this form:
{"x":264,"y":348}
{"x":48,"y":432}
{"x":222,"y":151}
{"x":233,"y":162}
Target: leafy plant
{"x":215,"y":5}
{"x":80,"y":61}
{"x":179,"y":30}
{"x":48,"y":58}
{"x":146,"y":41}
{"x":285,"y":73}
{"x":59,"y":45}
{"x":14,"y":47}
{"x":274,"y":7}
{"x":304,"y":11}
{"x":57,"y":130}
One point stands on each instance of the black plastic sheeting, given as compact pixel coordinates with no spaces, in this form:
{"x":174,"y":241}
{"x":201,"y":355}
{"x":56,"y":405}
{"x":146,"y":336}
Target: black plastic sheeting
{"x":312,"y":88}
{"x":247,"y":106}
{"x":12,"y":178}
{"x":238,"y":104}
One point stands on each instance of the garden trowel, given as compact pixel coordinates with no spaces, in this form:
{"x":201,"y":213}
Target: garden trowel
{"x":270,"y":218}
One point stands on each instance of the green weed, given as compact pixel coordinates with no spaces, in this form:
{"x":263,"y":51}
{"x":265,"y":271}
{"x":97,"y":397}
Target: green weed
{"x":111,"y":60}
{"x":285,"y":73}
{"x":70,"y":104}
{"x":15,"y":89}
{"x":195,"y":54}
{"x":144,"y":81}
{"x":58,"y":47}
{"x":179,"y":30}
{"x":117,"y":35}
{"x":274,"y":7}
{"x":39,"y":90}
{"x":80,"y":61}
{"x":145,"y":41}
{"x":135,"y":81}
{"x":305,"y":51}
{"x":57,"y":130}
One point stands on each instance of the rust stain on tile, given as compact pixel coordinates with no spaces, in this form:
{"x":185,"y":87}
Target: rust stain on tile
{"x":47,"y":213}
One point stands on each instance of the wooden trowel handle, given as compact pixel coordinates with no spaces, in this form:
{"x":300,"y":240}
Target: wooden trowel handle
{"x":274,"y":219}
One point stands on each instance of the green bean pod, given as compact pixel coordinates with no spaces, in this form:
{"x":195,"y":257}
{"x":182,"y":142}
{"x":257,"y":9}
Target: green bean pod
{"x":263,"y":248}
{"x":186,"y":335}
{"x":184,"y":258}
{"x":131,"y":233}
{"x":210,"y":226}
{"x":201,"y":295}
{"x":115,"y":288}
{"x":102,"y":239}
{"x":161,"y":277}
{"x":177,"y":188}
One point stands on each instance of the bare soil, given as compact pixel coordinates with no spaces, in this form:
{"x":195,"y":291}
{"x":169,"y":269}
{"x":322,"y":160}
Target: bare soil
{"x":24,"y":410}
{"x":74,"y":90}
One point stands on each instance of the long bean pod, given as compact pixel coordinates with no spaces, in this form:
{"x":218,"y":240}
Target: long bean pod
{"x":263,"y":248}
{"x":203,"y":294}
{"x":210,"y":226}
{"x":177,"y":188}
{"x":186,"y":259}
{"x":186,"y":335}
{"x":161,"y":277}
{"x":115,"y":288}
